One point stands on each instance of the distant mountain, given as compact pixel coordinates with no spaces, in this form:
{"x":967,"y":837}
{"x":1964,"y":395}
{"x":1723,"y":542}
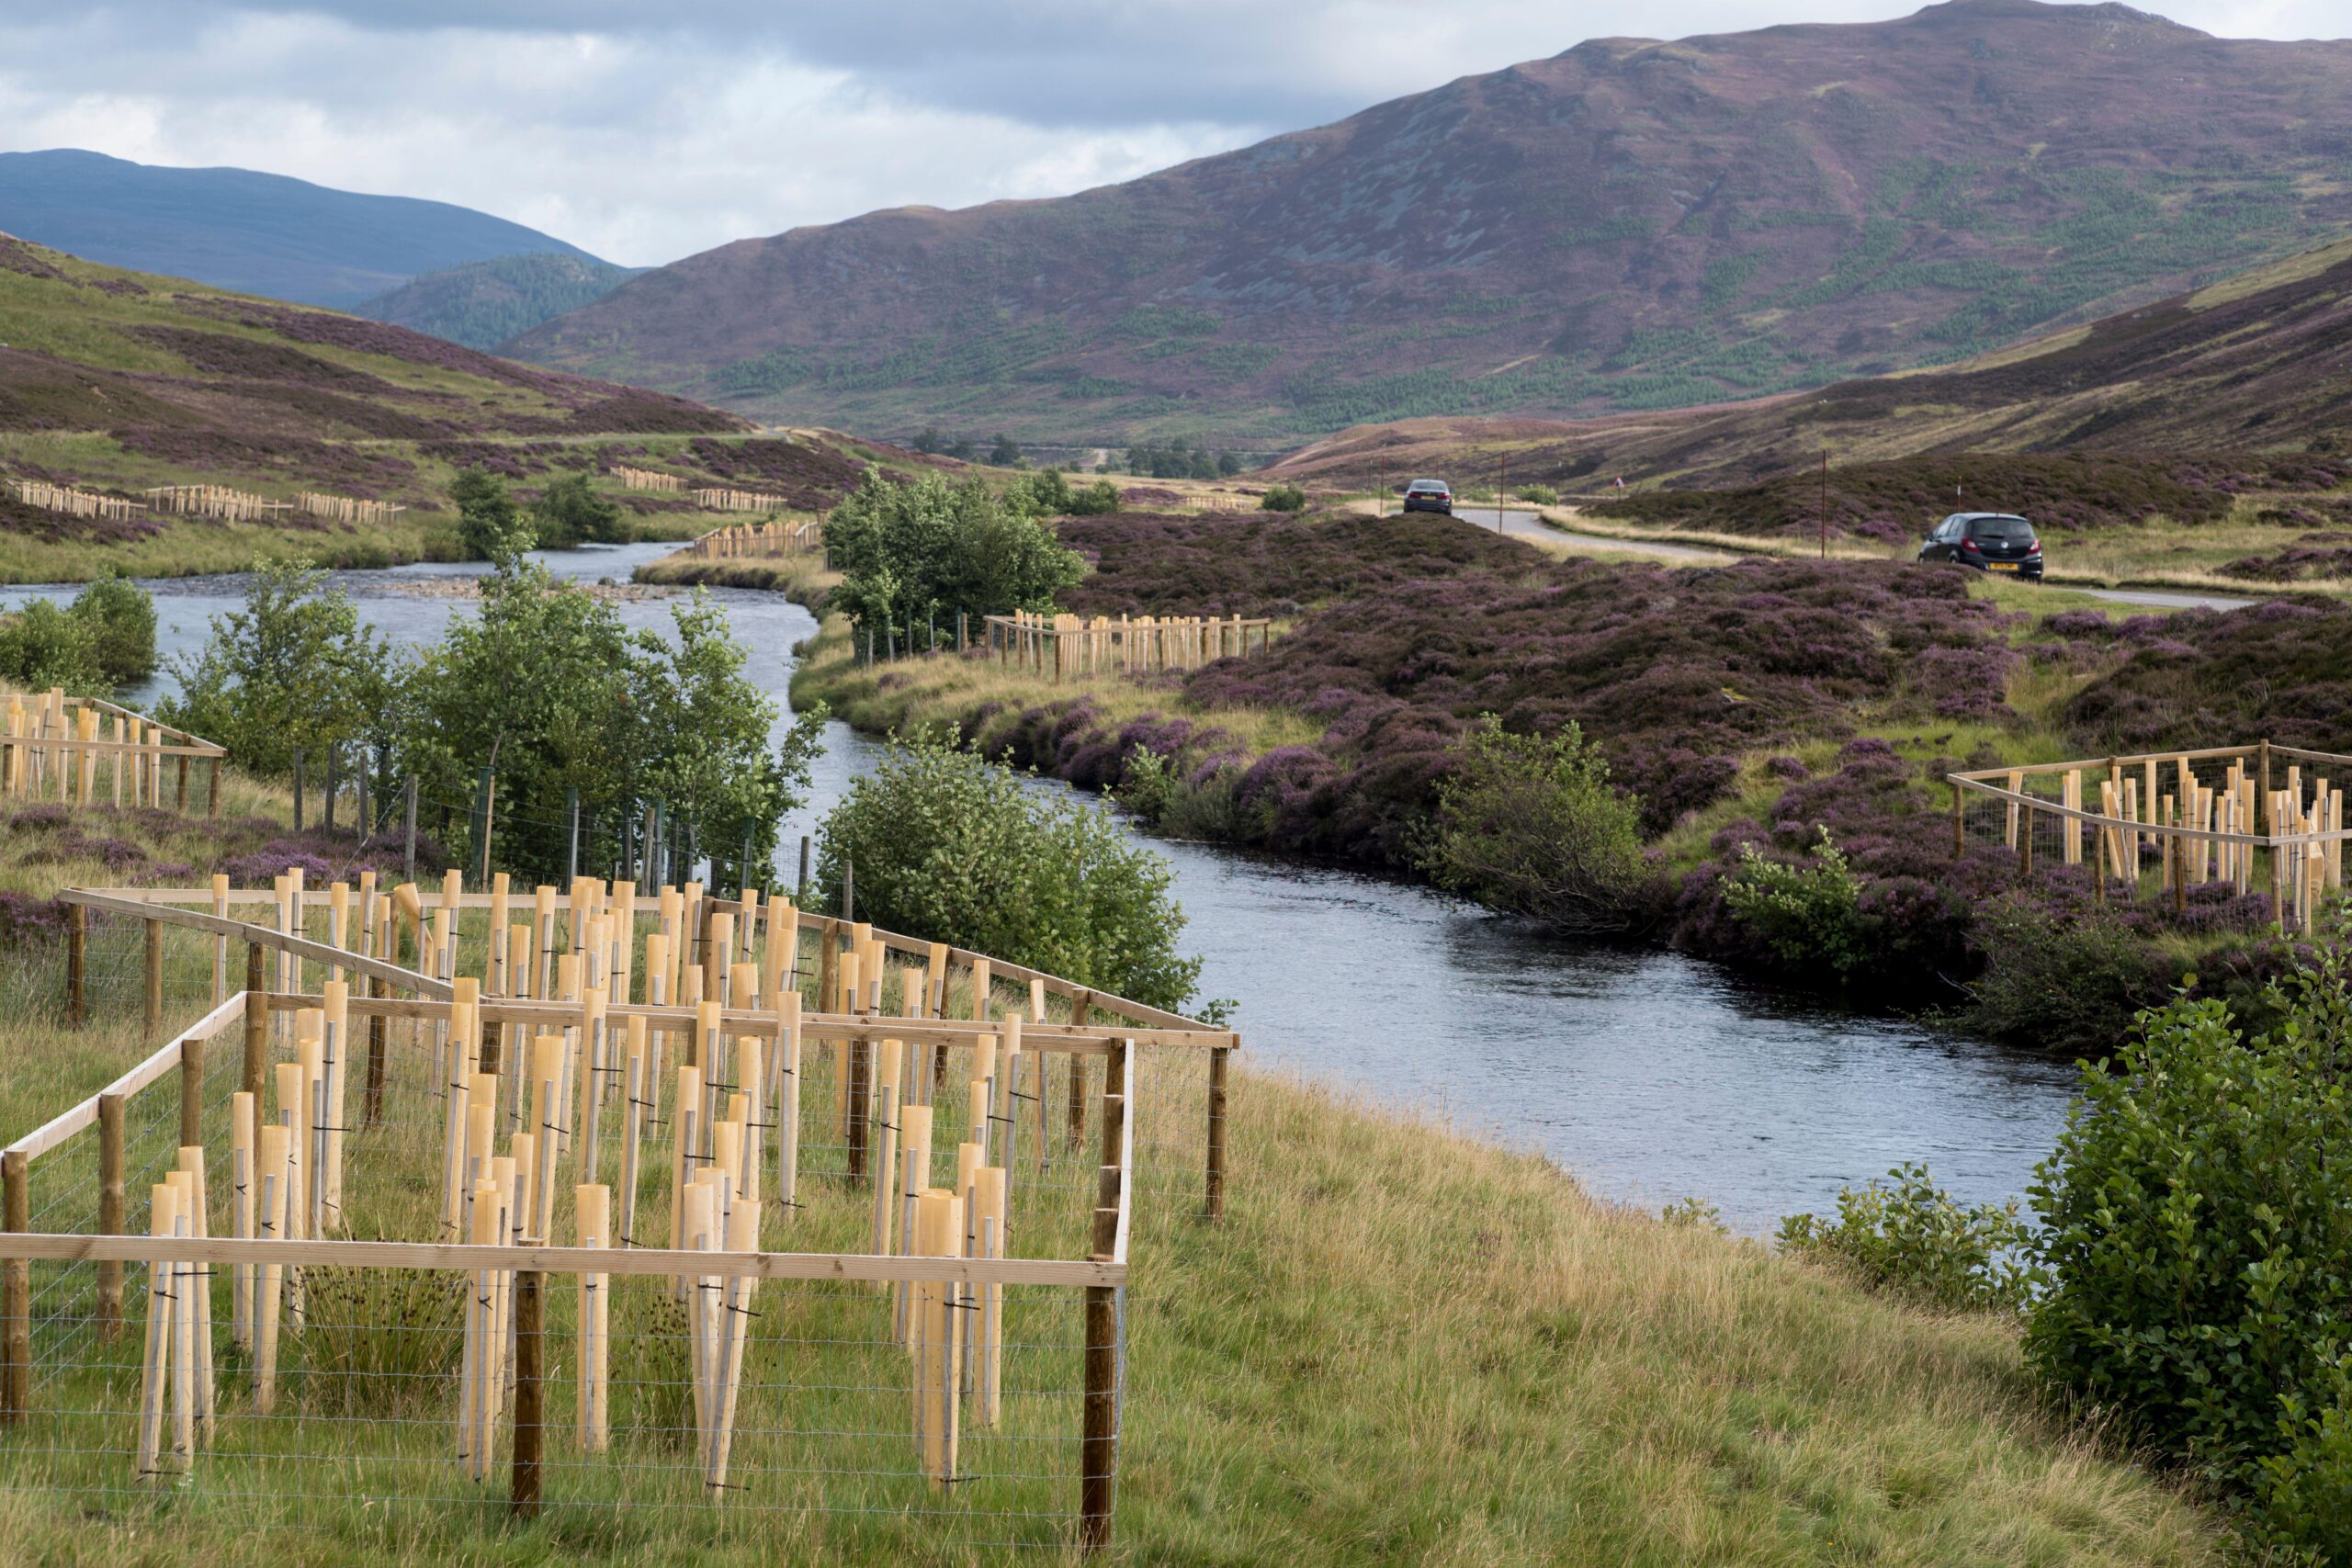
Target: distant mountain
{"x":1628,"y":225}
{"x":252,"y":233}
{"x":483,"y":303}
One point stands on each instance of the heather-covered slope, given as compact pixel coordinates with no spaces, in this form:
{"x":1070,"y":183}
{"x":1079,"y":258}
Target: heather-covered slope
{"x":116,"y":382}
{"x":1630,"y":224}
{"x":243,"y":229}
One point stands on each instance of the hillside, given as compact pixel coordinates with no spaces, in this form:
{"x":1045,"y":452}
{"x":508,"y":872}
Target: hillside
{"x":1629,"y":225}
{"x":253,"y":232}
{"x":114,"y":382}
{"x":2255,"y":363}
{"x":483,"y":303}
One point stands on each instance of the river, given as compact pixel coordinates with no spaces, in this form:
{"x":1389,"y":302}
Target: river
{"x":1650,"y":1076}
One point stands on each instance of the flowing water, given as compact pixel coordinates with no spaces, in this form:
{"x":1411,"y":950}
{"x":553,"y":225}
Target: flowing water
{"x":1650,"y":1076}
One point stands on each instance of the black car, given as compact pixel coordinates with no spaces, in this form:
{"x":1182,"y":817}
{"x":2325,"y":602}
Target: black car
{"x":1429,"y":495}
{"x":1989,"y":541}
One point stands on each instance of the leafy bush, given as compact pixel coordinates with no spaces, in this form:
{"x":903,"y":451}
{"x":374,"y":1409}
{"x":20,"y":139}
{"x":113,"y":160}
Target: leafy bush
{"x":569,"y":513}
{"x":2196,"y":1233}
{"x":915,"y":550}
{"x":1532,"y":826}
{"x":120,"y":618}
{"x":42,"y":646}
{"x":1915,"y":1239}
{"x":1283,"y":498}
{"x":490,"y":527}
{"x":950,"y":846}
{"x":1810,"y":915}
{"x":1093,"y":500}
{"x":2059,"y":978}
{"x":294,"y":670}
{"x":1539,"y":495}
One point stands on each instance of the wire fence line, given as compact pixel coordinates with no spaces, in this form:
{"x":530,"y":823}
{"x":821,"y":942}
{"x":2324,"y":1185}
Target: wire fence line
{"x":894,"y":1315}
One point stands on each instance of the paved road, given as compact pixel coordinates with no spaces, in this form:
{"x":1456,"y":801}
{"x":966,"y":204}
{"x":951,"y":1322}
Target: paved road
{"x":1527,"y":525}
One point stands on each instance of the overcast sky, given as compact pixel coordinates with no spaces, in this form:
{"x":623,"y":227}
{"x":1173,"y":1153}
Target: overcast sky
{"x":647,"y":131}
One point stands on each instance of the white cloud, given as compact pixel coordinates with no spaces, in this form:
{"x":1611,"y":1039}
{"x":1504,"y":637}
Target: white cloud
{"x":645,"y":133}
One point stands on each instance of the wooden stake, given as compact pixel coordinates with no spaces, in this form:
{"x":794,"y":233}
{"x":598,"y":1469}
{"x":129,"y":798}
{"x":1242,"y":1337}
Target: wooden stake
{"x":592,"y":1206}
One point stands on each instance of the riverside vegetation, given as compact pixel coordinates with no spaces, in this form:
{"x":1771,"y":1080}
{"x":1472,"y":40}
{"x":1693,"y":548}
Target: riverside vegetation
{"x":1778,"y":731}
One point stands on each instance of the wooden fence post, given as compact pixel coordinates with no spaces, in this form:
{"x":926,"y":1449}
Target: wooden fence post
{"x":109,"y":1213}
{"x":1099,"y":1449}
{"x":1081,"y":1006}
{"x":1218,"y":1065}
{"x":16,"y":1296}
{"x":376,"y":1026}
{"x":154,"y":1014}
{"x":77,"y":937}
{"x":257,"y":1023}
{"x":1959,"y":823}
{"x":530,"y":1392}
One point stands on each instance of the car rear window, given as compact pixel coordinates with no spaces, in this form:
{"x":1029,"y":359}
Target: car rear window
{"x":2007,"y":530}
{"x":1436,"y":485}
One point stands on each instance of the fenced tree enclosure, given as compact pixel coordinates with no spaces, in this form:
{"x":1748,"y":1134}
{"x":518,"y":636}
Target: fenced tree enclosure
{"x":664,"y":1211}
{"x":84,"y":749}
{"x":2227,"y":823}
{"x":1073,"y":646}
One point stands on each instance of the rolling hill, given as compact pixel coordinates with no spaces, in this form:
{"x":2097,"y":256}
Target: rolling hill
{"x":114,"y":382}
{"x":1629,"y":225}
{"x":483,"y":303}
{"x":239,"y":229}
{"x":2257,"y":364}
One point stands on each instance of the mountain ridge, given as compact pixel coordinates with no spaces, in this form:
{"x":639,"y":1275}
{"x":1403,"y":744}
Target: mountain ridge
{"x":245,"y":230}
{"x":1628,"y":224}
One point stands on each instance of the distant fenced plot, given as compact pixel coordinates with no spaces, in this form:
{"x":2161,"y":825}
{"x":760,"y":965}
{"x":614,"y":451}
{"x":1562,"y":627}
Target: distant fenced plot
{"x":2239,"y":834}
{"x":665,"y":1211}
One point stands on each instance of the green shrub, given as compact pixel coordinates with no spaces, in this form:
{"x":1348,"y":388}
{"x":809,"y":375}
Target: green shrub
{"x":1283,"y":498}
{"x":1093,"y":500}
{"x":2197,"y":1226}
{"x":1810,"y":915}
{"x":120,"y":618}
{"x":293,"y":670}
{"x":950,"y":846}
{"x":569,"y":513}
{"x":1532,"y":826}
{"x":1910,"y":1237}
{"x":911,"y":552}
{"x":1539,"y":495}
{"x":2060,"y":980}
{"x":42,"y":646}
{"x":490,"y":527}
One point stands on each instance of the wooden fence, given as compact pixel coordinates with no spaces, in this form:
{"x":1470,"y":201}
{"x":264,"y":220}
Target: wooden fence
{"x":345,"y":509}
{"x":737,"y":501}
{"x":493,"y":1110}
{"x":1072,"y":646}
{"x":758,"y":539}
{"x":76,"y":502}
{"x":2262,"y":815}
{"x":218,"y":502}
{"x":81,"y":750}
{"x":650,"y":479}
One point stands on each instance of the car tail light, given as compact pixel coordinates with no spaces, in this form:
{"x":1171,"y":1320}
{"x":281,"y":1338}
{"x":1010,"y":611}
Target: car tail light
{"x":2034,"y":549}
{"x":1971,"y":545}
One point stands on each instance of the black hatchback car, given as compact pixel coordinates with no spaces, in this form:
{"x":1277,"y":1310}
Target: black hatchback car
{"x":1429,"y":495}
{"x":1989,"y":541}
